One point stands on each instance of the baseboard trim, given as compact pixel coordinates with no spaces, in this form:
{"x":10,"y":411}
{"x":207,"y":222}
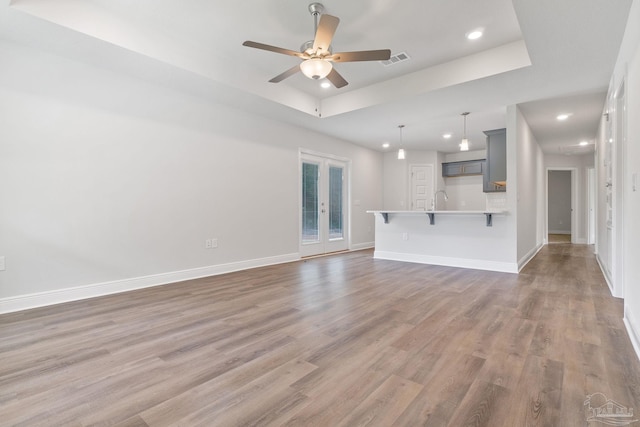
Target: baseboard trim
{"x":476,"y":264}
{"x":362,"y":246}
{"x":528,"y":257}
{"x":41,"y":299}
{"x":605,"y":274}
{"x":633,"y":329}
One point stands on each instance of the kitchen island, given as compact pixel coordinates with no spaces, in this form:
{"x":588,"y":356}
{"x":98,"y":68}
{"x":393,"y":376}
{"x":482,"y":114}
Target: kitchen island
{"x":476,"y":239}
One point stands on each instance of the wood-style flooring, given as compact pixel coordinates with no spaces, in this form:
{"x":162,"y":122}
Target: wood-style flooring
{"x":343,"y":340}
{"x":559,"y":238}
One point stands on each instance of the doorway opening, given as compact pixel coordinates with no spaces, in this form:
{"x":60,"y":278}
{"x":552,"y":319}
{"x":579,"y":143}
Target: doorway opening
{"x":561,"y":218}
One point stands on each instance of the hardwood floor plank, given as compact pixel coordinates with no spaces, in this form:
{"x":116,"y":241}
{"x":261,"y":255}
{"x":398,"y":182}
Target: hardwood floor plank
{"x":385,"y":404}
{"x":483,"y":406}
{"x":450,"y":379}
{"x":537,"y":398}
{"x":338,"y":340}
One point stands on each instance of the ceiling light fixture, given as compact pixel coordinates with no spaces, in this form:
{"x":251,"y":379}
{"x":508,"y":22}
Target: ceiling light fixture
{"x":562,"y":117}
{"x":475,"y":34}
{"x":316,"y":68}
{"x":583,"y":143}
{"x":446,"y":135}
{"x":325,"y":85}
{"x":385,"y":145}
{"x":464,"y":144}
{"x":401,"y":152}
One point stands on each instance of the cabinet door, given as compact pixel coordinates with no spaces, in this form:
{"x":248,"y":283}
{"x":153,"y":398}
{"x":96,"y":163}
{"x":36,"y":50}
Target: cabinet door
{"x":451,"y":169}
{"x":473,"y":168}
{"x":467,"y":167}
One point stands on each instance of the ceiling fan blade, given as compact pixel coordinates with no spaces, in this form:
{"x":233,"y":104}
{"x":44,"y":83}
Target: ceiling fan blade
{"x":362,"y":55}
{"x":290,"y":72}
{"x":324,"y":34}
{"x":337,"y":80}
{"x":275,"y":49}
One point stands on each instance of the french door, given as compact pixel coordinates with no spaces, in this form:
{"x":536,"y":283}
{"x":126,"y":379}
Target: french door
{"x":323,"y":205}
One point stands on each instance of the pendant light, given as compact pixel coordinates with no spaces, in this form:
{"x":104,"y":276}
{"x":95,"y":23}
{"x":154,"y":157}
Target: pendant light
{"x":464,"y":144}
{"x":401,"y":153}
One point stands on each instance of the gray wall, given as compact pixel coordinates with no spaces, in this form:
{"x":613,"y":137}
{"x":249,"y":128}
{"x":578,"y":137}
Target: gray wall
{"x":111,"y":182}
{"x":559,"y":202}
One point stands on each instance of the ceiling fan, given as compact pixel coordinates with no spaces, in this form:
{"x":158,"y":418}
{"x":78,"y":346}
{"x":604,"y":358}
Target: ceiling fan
{"x":316,"y":54}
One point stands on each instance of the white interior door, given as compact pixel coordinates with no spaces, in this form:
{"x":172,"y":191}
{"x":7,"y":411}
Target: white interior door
{"x":324,"y":205}
{"x":421,"y":187}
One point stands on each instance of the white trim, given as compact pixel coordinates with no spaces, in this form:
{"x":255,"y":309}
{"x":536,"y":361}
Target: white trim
{"x":604,"y":274}
{"x":633,"y":329}
{"x":528,"y":257}
{"x":24,"y":302}
{"x":574,"y":201}
{"x":362,"y":246}
{"x":477,"y":264}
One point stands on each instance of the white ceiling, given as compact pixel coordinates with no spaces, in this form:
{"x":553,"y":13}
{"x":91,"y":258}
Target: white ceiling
{"x":548,"y":56}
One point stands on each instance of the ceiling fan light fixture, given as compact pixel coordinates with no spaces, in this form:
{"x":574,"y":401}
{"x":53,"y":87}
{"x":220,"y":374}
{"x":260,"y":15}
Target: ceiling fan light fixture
{"x":316,"y":68}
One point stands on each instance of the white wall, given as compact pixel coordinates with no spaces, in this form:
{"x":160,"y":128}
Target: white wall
{"x":465,"y":192}
{"x":628,"y":68}
{"x":112,"y":182}
{"x":396,"y":182}
{"x":524,"y":183}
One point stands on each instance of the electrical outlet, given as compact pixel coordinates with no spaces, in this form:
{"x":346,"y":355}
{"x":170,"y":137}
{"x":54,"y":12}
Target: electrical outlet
{"x":214,"y":243}
{"x":208,"y":244}
{"x":1,"y":263}
{"x":405,"y":236}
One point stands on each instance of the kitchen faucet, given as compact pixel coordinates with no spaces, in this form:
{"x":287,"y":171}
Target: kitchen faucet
{"x":435,"y":199}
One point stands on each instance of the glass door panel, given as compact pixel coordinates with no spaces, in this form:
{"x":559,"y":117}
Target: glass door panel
{"x":310,"y":211}
{"x":323,"y":207}
{"x":336,"y":230}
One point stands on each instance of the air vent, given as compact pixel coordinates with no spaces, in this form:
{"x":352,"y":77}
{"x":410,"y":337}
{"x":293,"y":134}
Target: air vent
{"x":395,"y":59}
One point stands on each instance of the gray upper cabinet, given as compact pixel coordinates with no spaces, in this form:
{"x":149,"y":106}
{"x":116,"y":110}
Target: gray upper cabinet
{"x":495,"y":173}
{"x":469,"y":167}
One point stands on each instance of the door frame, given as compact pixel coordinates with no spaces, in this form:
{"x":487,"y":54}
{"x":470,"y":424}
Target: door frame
{"x":592,"y":208}
{"x":346,"y":203}
{"x":574,"y":207}
{"x":618,"y":156}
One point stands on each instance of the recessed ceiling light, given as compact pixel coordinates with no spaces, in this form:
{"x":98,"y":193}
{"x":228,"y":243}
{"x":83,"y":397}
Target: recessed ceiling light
{"x":446,"y":135}
{"x":325,"y":85}
{"x":583,"y":143}
{"x":475,"y":34}
{"x":385,"y":145}
{"x":562,"y":117}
